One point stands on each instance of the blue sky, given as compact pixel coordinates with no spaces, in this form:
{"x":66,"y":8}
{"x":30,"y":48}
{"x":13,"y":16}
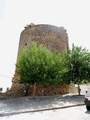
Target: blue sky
{"x":74,"y":15}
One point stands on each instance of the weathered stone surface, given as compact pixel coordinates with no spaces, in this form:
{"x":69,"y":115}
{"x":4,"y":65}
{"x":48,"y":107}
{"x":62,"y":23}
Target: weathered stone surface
{"x":42,"y":90}
{"x":54,"y":38}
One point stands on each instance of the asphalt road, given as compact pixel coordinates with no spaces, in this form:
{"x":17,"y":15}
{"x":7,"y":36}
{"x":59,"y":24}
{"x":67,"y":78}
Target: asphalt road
{"x":73,"y":113}
{"x":19,"y":105}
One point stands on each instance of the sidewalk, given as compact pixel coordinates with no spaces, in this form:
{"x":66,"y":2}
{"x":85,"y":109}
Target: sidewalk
{"x":10,"y":106}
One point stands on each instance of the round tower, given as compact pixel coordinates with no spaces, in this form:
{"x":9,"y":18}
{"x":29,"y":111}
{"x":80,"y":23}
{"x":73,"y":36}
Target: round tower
{"x":52,"y":37}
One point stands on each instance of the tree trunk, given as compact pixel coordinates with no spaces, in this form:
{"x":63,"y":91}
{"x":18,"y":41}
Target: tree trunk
{"x":34,"y":89}
{"x":79,"y":90}
{"x":26,"y":90}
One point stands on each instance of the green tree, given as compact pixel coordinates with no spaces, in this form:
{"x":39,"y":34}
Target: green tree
{"x":38,"y":65}
{"x":78,"y":66}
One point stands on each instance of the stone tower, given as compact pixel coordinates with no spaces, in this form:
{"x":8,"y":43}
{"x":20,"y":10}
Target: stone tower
{"x":54,"y":38}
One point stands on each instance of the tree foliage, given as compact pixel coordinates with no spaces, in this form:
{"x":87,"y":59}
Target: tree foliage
{"x":39,"y":65}
{"x":79,"y":63}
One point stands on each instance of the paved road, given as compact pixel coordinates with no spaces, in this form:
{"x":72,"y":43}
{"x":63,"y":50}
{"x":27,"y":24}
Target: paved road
{"x":15,"y":105}
{"x":73,"y":113}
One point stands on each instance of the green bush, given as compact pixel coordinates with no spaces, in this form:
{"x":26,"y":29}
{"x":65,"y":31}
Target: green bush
{"x":39,"y":65}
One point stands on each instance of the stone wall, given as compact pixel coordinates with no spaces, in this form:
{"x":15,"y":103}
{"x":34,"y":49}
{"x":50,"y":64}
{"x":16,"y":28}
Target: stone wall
{"x":41,"y":90}
{"x":49,"y":90}
{"x":54,"y":38}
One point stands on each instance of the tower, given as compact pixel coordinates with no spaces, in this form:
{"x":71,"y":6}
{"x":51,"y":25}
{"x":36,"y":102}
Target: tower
{"x":52,"y":37}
